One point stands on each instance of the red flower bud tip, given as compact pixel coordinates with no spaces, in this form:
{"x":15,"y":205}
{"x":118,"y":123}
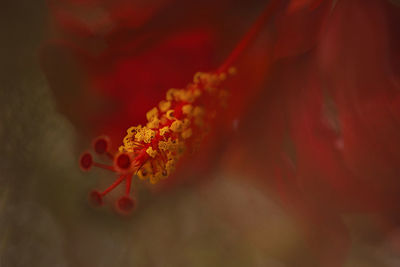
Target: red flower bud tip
{"x":125,"y":205}
{"x":101,"y":144}
{"x":86,"y":161}
{"x":96,"y":198}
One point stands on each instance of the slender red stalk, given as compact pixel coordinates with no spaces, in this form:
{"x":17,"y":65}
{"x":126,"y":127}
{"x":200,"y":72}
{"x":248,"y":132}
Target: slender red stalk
{"x":255,"y":29}
{"x":104,"y":166}
{"x":115,"y":184}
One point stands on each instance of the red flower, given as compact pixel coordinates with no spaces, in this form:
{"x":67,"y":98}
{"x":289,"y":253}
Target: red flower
{"x":316,"y":103}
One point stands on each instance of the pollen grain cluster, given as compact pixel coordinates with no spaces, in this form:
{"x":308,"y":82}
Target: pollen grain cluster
{"x":176,"y":124}
{"x":152,"y":151}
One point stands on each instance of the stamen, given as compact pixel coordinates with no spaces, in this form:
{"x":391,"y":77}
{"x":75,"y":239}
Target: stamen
{"x":86,"y":162}
{"x":114,"y":185}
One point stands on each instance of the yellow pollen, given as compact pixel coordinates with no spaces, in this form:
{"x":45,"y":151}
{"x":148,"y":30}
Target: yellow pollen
{"x":222,"y":76}
{"x":187,"y":133}
{"x":143,"y":173}
{"x":198,"y":112}
{"x":164,"y":130}
{"x":232,"y":71}
{"x":164,"y":105}
{"x":177,"y":126}
{"x":145,"y":134}
{"x":170,"y":114}
{"x":168,"y":145}
{"x":171,"y":94}
{"x":187,"y":109}
{"x":153,"y":113}
{"x":134,"y":129}
{"x":170,"y":166}
{"x":174,"y":135}
{"x":154,"y":123}
{"x":152,"y":153}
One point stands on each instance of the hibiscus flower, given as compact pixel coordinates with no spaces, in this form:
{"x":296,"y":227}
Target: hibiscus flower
{"x":314,"y":110}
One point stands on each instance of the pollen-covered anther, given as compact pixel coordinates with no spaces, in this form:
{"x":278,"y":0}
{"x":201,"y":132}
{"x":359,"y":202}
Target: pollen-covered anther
{"x":207,"y":79}
{"x":170,"y":166}
{"x":153,"y":123}
{"x":143,"y":174}
{"x":186,"y":96}
{"x":187,"y":110}
{"x":186,"y":124}
{"x":222,"y":76}
{"x":145,"y":135}
{"x":198,"y":114}
{"x":151,"y":152}
{"x":129,"y":143}
{"x":196,"y":92}
{"x":232,"y":71}
{"x":153,"y":113}
{"x":197,"y":77}
{"x":164,"y":130}
{"x":177,"y":126}
{"x":171,"y":94}
{"x":187,"y":133}
{"x":133,"y":130}
{"x":170,"y":114}
{"x":198,"y":111}
{"x":164,"y":105}
{"x":125,"y":205}
{"x":86,"y":161}
{"x":165,"y":145}
{"x":123,"y":162}
{"x":154,"y":178}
